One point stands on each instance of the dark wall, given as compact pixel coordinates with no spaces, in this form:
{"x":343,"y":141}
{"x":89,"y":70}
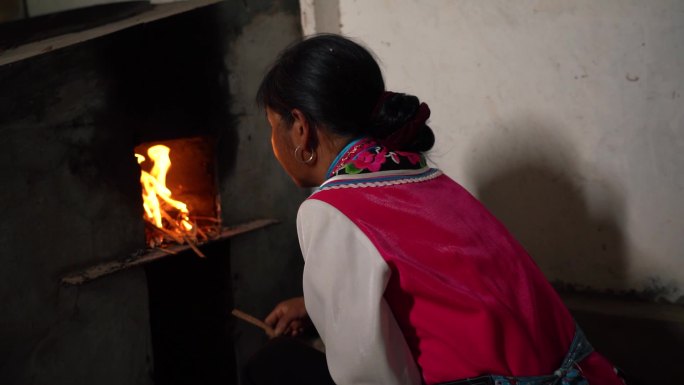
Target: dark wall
{"x":70,"y":197}
{"x":266,"y":266}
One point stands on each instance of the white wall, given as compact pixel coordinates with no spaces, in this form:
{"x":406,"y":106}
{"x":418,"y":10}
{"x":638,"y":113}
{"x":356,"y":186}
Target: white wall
{"x":566,"y":118}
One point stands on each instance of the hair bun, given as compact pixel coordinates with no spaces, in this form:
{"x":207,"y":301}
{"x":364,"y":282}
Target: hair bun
{"x":399,"y":122}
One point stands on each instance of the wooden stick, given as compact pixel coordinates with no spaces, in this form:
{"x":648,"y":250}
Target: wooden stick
{"x":183,"y":233}
{"x":254,"y":321}
{"x":200,"y":231}
{"x":194,"y":247}
{"x":172,"y":222}
{"x":166,"y":232}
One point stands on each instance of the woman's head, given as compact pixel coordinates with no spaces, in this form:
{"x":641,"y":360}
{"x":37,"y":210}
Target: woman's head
{"x":335,"y":86}
{"x":332,"y":80}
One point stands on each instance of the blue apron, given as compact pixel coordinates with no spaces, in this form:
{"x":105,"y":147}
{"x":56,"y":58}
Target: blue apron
{"x":567,"y":374}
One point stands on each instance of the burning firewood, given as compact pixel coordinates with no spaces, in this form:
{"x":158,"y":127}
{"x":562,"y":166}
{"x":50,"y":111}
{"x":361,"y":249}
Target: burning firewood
{"x":201,"y":233}
{"x":161,"y":208}
{"x":161,"y":235}
{"x":184,"y":234}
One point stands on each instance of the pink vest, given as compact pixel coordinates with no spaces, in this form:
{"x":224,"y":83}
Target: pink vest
{"x":468,"y":298}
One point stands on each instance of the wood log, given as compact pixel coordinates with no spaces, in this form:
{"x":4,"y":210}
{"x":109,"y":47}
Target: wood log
{"x":144,"y":256}
{"x":167,"y":251}
{"x":25,"y":51}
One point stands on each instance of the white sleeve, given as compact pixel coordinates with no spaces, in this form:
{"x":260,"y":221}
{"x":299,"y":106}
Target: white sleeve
{"x":344,"y":281}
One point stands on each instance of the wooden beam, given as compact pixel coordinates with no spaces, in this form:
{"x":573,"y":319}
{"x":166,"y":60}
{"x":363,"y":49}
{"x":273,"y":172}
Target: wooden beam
{"x":144,"y":256}
{"x":40,"y":47}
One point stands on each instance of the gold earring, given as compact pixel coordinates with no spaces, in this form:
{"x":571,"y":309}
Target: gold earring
{"x":298,"y":155}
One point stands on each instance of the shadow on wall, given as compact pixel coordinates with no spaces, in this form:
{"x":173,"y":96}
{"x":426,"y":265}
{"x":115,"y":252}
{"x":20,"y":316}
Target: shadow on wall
{"x":528,"y":176}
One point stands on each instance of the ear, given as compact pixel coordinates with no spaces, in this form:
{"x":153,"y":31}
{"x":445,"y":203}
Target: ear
{"x":303,"y":134}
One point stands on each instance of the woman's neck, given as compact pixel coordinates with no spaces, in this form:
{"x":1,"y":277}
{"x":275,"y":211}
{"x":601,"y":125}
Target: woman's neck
{"x":329,"y":149}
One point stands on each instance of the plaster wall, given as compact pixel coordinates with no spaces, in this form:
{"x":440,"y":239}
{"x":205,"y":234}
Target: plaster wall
{"x":564,"y":118}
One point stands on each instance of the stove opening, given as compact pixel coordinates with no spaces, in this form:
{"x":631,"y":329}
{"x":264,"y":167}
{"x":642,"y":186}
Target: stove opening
{"x":180,"y":198}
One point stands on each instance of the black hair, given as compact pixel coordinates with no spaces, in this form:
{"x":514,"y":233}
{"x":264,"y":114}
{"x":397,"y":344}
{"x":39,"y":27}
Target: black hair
{"x":337,"y":84}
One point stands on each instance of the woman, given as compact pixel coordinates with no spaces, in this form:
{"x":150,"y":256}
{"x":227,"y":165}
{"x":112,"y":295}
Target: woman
{"x":408,"y":278}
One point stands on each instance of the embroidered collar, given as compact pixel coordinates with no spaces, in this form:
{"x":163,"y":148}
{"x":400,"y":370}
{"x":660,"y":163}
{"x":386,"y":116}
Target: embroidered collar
{"x":365,"y":155}
{"x":379,"y":179}
{"x":347,"y":152}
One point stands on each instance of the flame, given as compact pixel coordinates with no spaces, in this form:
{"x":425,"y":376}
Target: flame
{"x":155,"y":193}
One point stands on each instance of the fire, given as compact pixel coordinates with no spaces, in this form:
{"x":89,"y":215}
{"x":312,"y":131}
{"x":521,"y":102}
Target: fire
{"x":157,"y":200}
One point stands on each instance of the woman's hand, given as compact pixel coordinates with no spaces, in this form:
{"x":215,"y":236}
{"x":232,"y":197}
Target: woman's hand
{"x":289,"y":317}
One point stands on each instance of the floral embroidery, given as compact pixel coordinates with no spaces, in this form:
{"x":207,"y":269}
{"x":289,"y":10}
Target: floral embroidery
{"x":354,"y":148}
{"x":371,"y":159}
{"x":410,"y":156}
{"x":368,"y":156}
